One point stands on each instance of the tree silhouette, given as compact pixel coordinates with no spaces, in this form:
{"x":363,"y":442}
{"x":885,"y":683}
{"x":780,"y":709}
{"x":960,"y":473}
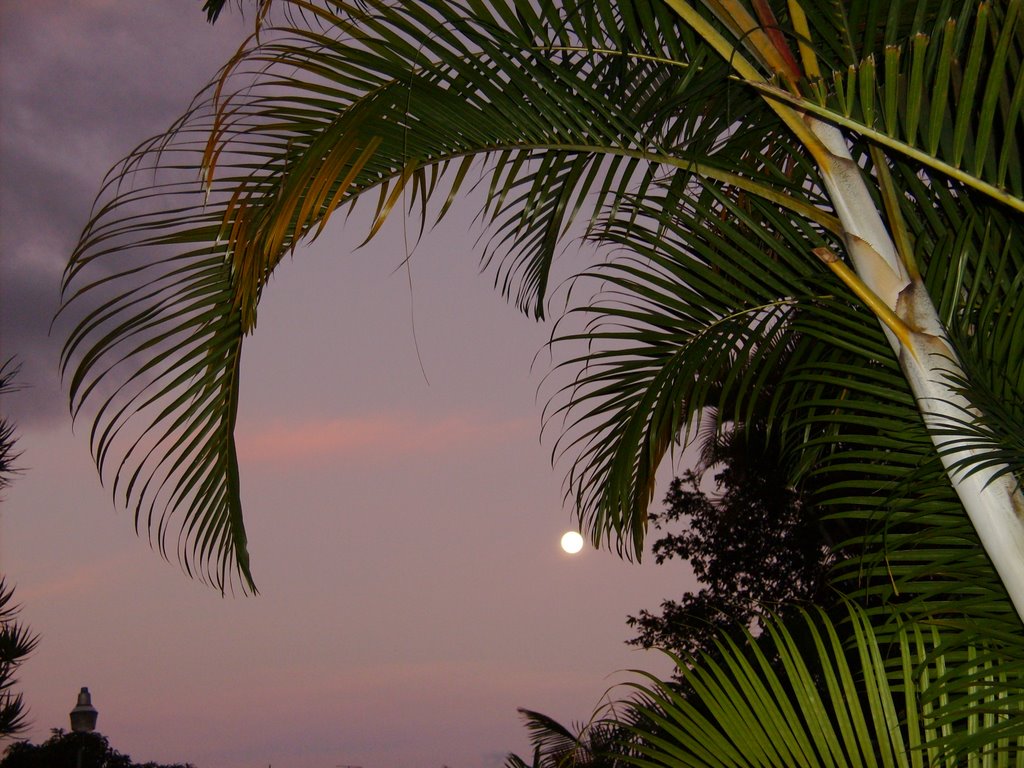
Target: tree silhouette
{"x":73,"y":750}
{"x":754,"y":543}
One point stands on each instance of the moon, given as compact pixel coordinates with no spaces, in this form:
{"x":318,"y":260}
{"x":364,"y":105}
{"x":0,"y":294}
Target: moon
{"x":572,"y":542}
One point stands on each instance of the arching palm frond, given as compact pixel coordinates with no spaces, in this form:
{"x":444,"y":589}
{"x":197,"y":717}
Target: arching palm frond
{"x":379,"y":98}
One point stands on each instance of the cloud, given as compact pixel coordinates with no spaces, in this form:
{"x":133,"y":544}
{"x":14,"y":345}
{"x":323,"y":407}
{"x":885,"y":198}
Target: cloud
{"x":375,"y":437}
{"x":78,"y":582}
{"x":80,"y":85}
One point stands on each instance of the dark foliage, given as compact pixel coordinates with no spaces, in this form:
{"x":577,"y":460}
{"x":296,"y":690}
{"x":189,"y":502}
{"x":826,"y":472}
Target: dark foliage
{"x":16,"y":641}
{"x":601,"y":743}
{"x":8,"y":454}
{"x":754,"y":544}
{"x":212,"y":8}
{"x":63,"y":750}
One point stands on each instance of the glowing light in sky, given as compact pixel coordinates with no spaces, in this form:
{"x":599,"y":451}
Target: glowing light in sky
{"x":572,"y":542}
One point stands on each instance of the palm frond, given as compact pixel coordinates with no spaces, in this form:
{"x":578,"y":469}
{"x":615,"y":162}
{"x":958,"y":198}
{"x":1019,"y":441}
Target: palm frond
{"x":829,"y":702}
{"x":563,"y":112}
{"x":8,"y":453}
{"x":166,"y":279}
{"x":594,"y":745}
{"x":16,"y":642}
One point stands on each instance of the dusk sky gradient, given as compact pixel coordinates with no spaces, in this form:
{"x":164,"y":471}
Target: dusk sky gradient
{"x":403,"y":523}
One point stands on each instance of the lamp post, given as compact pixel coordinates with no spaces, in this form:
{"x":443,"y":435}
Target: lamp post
{"x":83,"y":718}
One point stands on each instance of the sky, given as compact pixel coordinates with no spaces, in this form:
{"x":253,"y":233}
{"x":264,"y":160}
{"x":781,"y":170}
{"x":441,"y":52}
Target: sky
{"x":402,"y":511}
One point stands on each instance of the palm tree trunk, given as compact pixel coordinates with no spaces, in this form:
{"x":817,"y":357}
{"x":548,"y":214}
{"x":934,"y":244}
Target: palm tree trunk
{"x":990,"y":494}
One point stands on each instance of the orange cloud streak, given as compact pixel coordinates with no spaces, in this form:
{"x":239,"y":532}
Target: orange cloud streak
{"x":373,"y":437}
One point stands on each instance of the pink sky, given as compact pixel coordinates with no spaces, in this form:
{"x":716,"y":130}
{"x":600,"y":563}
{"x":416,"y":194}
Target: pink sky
{"x":375,"y":438}
{"x":404,"y":535}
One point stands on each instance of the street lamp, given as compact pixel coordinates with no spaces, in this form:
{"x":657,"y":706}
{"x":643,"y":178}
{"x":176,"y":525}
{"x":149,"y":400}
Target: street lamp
{"x":83,"y":716}
{"x":83,"y":719}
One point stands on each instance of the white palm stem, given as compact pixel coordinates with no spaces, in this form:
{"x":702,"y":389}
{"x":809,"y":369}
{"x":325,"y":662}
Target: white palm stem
{"x":994,"y":504}
{"x":990,"y":495}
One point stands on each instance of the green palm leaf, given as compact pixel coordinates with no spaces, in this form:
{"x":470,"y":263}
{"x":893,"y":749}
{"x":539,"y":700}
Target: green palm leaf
{"x":942,"y":85}
{"x":826,"y":702}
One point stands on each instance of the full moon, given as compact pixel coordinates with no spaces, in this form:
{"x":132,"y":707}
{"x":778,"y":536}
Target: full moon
{"x":572,"y":542}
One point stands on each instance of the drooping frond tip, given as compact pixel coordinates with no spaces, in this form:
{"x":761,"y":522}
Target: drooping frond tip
{"x":212,"y":8}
